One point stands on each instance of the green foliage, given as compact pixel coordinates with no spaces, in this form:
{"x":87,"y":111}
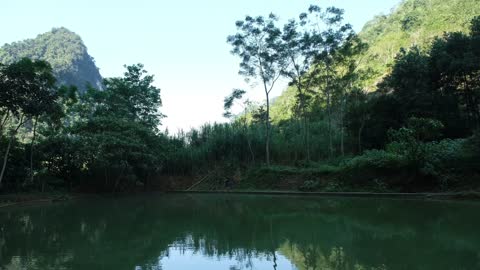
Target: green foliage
{"x":228,"y":102}
{"x":443,"y":160}
{"x":440,"y":83}
{"x":131,"y":98}
{"x":62,"y":156}
{"x":27,"y":87}
{"x":17,"y":167}
{"x":411,"y":161}
{"x":107,"y":139}
{"x":408,"y":141}
{"x":27,"y":93}
{"x":124,"y":150}
{"x":379,"y":171}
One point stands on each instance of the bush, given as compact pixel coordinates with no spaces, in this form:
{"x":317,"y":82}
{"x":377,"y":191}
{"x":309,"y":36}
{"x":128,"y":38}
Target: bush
{"x":443,"y":160}
{"x":376,"y":160}
{"x":309,"y":185}
{"x":374,"y":167}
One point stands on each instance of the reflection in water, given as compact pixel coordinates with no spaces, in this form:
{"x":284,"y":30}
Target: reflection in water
{"x":241,"y":232}
{"x":178,"y":258}
{"x":312,"y":258}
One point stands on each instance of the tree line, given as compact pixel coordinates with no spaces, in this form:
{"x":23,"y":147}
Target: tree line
{"x":423,"y":120}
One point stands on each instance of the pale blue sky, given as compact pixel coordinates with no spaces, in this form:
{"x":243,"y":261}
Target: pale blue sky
{"x":183,"y":43}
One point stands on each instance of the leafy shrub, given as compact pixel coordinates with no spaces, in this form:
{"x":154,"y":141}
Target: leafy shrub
{"x":374,"y":167}
{"x":409,"y":141}
{"x":309,"y":185}
{"x":442,"y":159}
{"x":376,"y":160}
{"x":333,"y":186}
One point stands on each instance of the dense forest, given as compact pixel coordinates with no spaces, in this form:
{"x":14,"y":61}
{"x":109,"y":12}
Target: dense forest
{"x":418,"y":131}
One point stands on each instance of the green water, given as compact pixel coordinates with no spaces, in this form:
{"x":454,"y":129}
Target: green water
{"x":234,"y":232}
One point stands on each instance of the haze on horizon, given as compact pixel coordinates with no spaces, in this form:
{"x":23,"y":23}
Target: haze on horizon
{"x":182,"y":43}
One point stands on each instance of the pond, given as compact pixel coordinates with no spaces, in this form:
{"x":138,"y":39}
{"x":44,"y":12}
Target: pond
{"x":233,"y":232}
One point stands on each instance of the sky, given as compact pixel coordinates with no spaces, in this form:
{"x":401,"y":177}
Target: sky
{"x":181,"y":42}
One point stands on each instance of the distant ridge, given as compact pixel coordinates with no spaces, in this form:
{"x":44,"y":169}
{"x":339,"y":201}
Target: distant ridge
{"x":64,"y":50}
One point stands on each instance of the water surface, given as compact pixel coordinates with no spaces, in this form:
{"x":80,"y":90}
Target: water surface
{"x":234,"y":232}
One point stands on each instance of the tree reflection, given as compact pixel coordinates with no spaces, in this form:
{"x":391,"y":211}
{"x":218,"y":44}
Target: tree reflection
{"x":137,"y":232}
{"x":313,"y":258}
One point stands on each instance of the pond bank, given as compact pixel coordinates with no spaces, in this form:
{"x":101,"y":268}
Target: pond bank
{"x":33,"y":199}
{"x":7,"y":200}
{"x":466,"y":195}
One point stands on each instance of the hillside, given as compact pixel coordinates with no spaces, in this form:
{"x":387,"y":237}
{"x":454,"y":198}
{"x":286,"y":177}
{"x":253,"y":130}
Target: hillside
{"x":64,"y":50}
{"x":412,"y":22}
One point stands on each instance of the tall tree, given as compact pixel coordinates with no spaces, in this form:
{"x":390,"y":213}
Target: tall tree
{"x":317,"y":42}
{"x":301,"y":48}
{"x":258,"y":44}
{"x":334,"y":34}
{"x":348,"y":76}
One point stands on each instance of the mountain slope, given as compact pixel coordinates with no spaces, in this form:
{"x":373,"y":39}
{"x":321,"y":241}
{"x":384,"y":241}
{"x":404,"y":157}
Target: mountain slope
{"x":64,"y":50}
{"x":413,"y":22}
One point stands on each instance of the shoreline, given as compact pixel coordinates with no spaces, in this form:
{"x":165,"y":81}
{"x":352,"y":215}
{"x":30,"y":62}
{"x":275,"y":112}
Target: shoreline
{"x":462,"y":195}
{"x":456,"y":196}
{"x":22,"y":199}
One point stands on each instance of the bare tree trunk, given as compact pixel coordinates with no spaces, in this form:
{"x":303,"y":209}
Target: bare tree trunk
{"x":342,"y":125}
{"x":251,"y":150}
{"x":31,"y":148}
{"x":307,"y":137}
{"x":5,"y":157}
{"x":329,"y":114}
{"x":305,"y":128}
{"x":267,"y":136}
{"x":342,"y":149}
{"x":106,"y":178}
{"x":2,"y":124}
{"x":146,"y":185}
{"x":342,"y":144}
{"x":119,"y":177}
{"x":43,"y":185}
{"x":245,"y":127}
{"x":360,"y":136}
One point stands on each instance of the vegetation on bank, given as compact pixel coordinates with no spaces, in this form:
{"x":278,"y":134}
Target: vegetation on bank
{"x":417,"y":132}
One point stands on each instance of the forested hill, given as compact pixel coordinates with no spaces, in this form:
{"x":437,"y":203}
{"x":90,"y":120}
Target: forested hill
{"x":413,"y":22}
{"x":64,"y":50}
